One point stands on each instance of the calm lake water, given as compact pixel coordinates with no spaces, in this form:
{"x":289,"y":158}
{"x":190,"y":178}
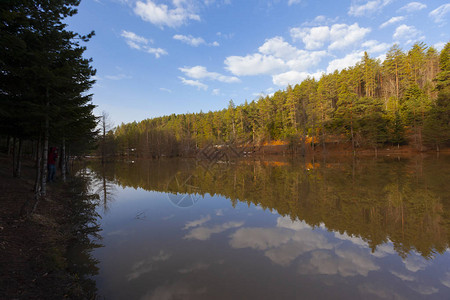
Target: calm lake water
{"x":374,"y":228}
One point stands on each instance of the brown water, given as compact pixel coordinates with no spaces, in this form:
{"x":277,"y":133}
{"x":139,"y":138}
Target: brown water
{"x":278,"y":229}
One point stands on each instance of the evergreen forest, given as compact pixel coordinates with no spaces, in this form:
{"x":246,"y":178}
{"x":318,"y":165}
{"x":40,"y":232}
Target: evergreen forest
{"x":404,"y":100}
{"x":44,"y":84}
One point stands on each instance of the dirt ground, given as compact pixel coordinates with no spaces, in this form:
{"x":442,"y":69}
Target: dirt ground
{"x":32,"y":260}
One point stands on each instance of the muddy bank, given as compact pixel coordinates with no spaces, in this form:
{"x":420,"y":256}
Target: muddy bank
{"x":38,"y":260}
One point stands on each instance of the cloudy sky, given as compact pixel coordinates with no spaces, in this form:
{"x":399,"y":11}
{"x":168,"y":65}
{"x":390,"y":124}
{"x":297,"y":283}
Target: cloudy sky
{"x":158,"y":57}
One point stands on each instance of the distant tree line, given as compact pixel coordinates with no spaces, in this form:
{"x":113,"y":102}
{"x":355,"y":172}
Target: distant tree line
{"x":44,"y":81}
{"x":402,"y":100}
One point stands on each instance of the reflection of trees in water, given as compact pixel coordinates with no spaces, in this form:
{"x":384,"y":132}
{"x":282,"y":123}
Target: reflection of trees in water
{"x":84,"y":239}
{"x":405,"y":201}
{"x":104,"y":184}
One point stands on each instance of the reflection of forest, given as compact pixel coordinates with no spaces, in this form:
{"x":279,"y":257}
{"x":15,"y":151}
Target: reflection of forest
{"x":405,"y":201}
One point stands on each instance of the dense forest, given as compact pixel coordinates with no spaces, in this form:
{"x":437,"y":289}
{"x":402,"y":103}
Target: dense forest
{"x":44,"y":84}
{"x":390,"y":199}
{"x":403,"y":100}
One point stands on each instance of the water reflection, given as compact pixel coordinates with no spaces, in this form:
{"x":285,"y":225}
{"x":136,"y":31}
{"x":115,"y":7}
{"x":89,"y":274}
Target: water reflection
{"x":347,"y":228}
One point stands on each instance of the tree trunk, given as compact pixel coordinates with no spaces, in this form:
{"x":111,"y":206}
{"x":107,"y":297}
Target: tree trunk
{"x":14,"y":156}
{"x":45,"y":151}
{"x":18,"y":158}
{"x":8,"y":146}
{"x":63,"y":160}
{"x":37,"y":186}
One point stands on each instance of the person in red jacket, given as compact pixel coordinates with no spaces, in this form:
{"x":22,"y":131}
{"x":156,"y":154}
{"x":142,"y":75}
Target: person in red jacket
{"x":51,"y":164}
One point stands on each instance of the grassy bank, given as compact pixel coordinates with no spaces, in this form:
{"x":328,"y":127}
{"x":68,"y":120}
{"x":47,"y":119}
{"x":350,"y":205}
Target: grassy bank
{"x":38,"y":260}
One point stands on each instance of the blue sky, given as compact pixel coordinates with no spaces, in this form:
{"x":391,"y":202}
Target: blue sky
{"x":156,"y":57}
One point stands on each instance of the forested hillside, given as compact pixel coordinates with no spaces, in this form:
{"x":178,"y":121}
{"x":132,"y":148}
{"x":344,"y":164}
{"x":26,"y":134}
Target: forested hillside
{"x":402,"y":100}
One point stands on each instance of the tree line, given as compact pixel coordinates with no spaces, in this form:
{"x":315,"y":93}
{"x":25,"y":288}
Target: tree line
{"x":402,"y":100}
{"x":44,"y":84}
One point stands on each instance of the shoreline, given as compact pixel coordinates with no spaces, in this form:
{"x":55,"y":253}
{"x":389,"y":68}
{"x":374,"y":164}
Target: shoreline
{"x":35,"y":250}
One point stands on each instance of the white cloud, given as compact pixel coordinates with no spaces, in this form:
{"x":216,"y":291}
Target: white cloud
{"x":169,"y":91}
{"x":405,"y":32}
{"x":117,"y":77}
{"x":195,"y":83}
{"x":413,"y":6}
{"x":290,"y":2}
{"x":275,"y":56}
{"x":438,"y":15}
{"x":268,"y":92}
{"x":342,"y":63}
{"x":338,"y":35}
{"x":392,"y":21}
{"x":198,"y":222}
{"x":373,"y":46}
{"x":439,"y":46}
{"x":194,"y":41}
{"x":254,"y":64}
{"x":133,"y":37}
{"x":279,"y":48}
{"x":293,"y":77}
{"x":161,"y":15}
{"x":140,"y":43}
{"x":200,"y":72}
{"x":156,"y":51}
{"x":359,"y":10}
{"x":204,"y":233}
{"x":190,"y":40}
{"x":320,"y":20}
{"x":216,"y":92}
{"x":294,"y":58}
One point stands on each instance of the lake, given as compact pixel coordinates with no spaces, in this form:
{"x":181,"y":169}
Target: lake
{"x":341,"y":228}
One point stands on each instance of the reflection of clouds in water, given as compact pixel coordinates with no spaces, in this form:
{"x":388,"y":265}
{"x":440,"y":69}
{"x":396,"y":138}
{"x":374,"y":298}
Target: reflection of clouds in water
{"x":198,"y":222}
{"x":345,"y":263}
{"x":384,"y":250}
{"x":146,"y":265}
{"x":195,"y":267}
{"x":260,"y":238}
{"x":355,"y":240}
{"x":415,"y":263}
{"x":285,"y":222}
{"x":162,"y":256}
{"x":168,"y":217}
{"x":424,"y":289}
{"x":381,"y":251}
{"x":204,"y":233}
{"x":446,"y":279}
{"x":289,"y":240}
{"x":381,"y":292}
{"x":404,"y":277}
{"x":178,"y":290}
{"x":117,"y":232}
{"x":282,"y":244}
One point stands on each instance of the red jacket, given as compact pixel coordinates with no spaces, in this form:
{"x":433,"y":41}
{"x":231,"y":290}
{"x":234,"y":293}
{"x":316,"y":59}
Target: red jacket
{"x":52,"y":156}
